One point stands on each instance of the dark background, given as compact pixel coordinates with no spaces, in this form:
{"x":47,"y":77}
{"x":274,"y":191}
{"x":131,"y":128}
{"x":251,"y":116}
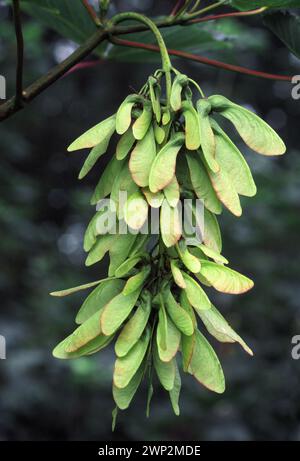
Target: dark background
{"x":43,"y":213}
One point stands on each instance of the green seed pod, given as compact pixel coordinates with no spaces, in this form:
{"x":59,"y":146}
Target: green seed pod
{"x":179,"y":82}
{"x":170,"y":224}
{"x":165,"y":370}
{"x":123,"y":396}
{"x":141,"y":159}
{"x":136,"y":211}
{"x":195,"y":294}
{"x":98,"y":134}
{"x":256,"y":133}
{"x":136,"y":281}
{"x":175,"y":392}
{"x":191,"y":262}
{"x":154,"y":89}
{"x":208,"y":144}
{"x":172,"y":192}
{"x":143,"y":122}
{"x":180,"y":317}
{"x":125,"y":144}
{"x":105,"y":184}
{"x":123,"y":118}
{"x":224,"y":279}
{"x":192,"y":127}
{"x":177,"y":275}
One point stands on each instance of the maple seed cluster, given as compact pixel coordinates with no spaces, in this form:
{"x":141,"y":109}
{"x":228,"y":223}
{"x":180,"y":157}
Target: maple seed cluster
{"x":169,"y":149}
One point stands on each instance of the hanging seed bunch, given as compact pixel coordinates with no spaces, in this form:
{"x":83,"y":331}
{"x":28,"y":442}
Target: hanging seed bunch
{"x":153,"y":304}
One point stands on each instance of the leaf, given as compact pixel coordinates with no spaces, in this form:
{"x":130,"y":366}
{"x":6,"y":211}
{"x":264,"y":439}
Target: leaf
{"x":201,"y":183}
{"x":218,"y":327}
{"x":125,"y":268}
{"x":286,"y":27}
{"x":224,"y":279}
{"x":175,"y":392}
{"x":143,"y":122}
{"x":177,"y":275}
{"x":70,"y":291}
{"x":255,"y":132}
{"x":179,"y":316}
{"x":98,"y":134}
{"x":123,"y":117}
{"x":208,"y":144}
{"x":179,"y":81}
{"x":141,"y":159}
{"x":245,"y":5}
{"x":172,"y":339}
{"x":170,"y":224}
{"x":172,"y":192}
{"x":212,"y":235}
{"x":127,"y":366}
{"x":134,"y":328}
{"x":164,"y":164}
{"x":104,"y":186}
{"x":192,"y":127}
{"x":136,"y":211}
{"x":205,"y":365}
{"x":102,"y":246}
{"x":232,"y":161}
{"x":195,"y":294}
{"x":190,"y":261}
{"x":213,"y":254}
{"x":137,"y":280}
{"x":165,"y":370}
{"x":123,"y":396}
{"x":93,"y":346}
{"x":154,"y":199}
{"x":98,"y":298}
{"x":122,"y":247}
{"x":116,"y":311}
{"x":225,"y":191}
{"x":125,"y":144}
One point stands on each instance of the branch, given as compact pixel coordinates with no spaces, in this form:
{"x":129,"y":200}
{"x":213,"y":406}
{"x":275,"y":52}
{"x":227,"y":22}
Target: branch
{"x":91,"y":12}
{"x":20,"y":53}
{"x":204,"y":60}
{"x":236,"y":14}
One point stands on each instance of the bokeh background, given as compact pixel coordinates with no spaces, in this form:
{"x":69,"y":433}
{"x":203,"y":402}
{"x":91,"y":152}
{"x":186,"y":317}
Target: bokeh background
{"x":43,"y":213}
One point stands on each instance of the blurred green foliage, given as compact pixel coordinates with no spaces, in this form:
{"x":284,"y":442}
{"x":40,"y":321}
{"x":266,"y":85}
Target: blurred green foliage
{"x":43,"y":212}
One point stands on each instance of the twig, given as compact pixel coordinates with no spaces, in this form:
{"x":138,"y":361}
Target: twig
{"x":236,"y":14}
{"x":91,"y":12}
{"x":20,"y":53}
{"x":204,"y":60}
{"x":176,"y":8}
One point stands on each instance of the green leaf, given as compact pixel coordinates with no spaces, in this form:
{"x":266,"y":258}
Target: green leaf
{"x":154,"y":199}
{"x":123,"y":396}
{"x":232,"y":161}
{"x":205,"y":365}
{"x":225,"y":191}
{"x":101,"y":247}
{"x":201,"y":183}
{"x":91,"y":347}
{"x":165,"y":370}
{"x":195,"y":294}
{"x":117,"y":311}
{"x":172,"y":192}
{"x":212,"y":235}
{"x":125,"y":268}
{"x":143,"y":122}
{"x":180,"y":317}
{"x":219,"y":328}
{"x":190,"y":261}
{"x":255,"y":132}
{"x":213,"y":254}
{"x":163,"y":167}
{"x":136,"y":211}
{"x":287,"y":28}
{"x":224,"y":279}
{"x":177,"y":274}
{"x":123,"y":118}
{"x":127,"y":366}
{"x":99,"y":134}
{"x":178,"y":83}
{"x":105,"y":184}
{"x":141,"y":159}
{"x":170,"y":224}
{"x":137,"y":280}
{"x":175,"y":392}
{"x":122,"y":247}
{"x":169,"y":338}
{"x":70,"y":291}
{"x":245,"y":5}
{"x":134,"y":328}
{"x":125,"y":144}
{"x":192,"y":127}
{"x":208,"y":144}
{"x":98,"y":298}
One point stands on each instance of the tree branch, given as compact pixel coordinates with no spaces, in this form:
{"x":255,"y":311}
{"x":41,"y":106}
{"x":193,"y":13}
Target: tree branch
{"x":204,"y":60}
{"x":236,"y":14}
{"x":20,"y":53}
{"x":91,"y":12}
{"x":31,"y":92}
